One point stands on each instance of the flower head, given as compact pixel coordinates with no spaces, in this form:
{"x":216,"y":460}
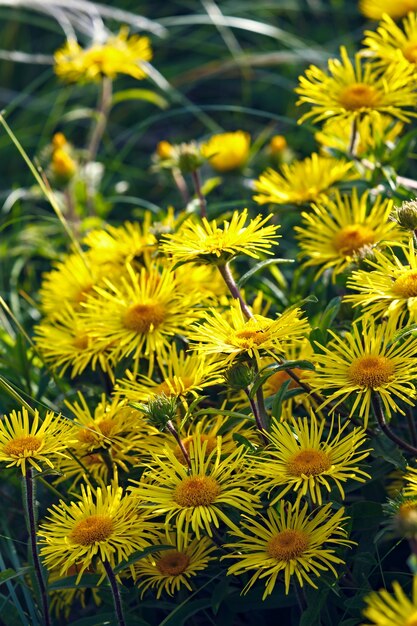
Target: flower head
{"x":199,"y":498}
{"x":205,"y":242}
{"x":169,"y":570}
{"x":290,"y":542}
{"x":337,"y":231}
{"x":120,"y":54}
{"x":227,"y":151}
{"x":363,"y":362}
{"x":103,"y":524}
{"x":392,"y":609}
{"x":355,"y":90}
{"x":304,"y":181}
{"x":302,"y":459}
{"x":390,"y":42}
{"x":32,"y":442}
{"x":375,"y":9}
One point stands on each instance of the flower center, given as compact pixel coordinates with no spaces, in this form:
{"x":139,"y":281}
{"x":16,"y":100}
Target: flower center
{"x":371,"y":371}
{"x":26,"y":445}
{"x":81,"y":295}
{"x":407,"y":508}
{"x":211,"y":445}
{"x":309,"y":463}
{"x":196,"y":491}
{"x":106,"y":426}
{"x":352,"y":238}
{"x":359,"y":96}
{"x":88,"y":434}
{"x":412,"y":620}
{"x":91,"y":529}
{"x":406,"y":285}
{"x":172,"y":563}
{"x":174,"y":386}
{"x":410,"y":51}
{"x":287,"y":545}
{"x":81,"y":342}
{"x":144,"y":318}
{"x":249,"y":337}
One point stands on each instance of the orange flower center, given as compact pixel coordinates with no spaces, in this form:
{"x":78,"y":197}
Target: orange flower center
{"x":81,"y":342}
{"x":172,"y":563}
{"x":144,"y":318}
{"x":92,"y":529}
{"x":410,"y":51}
{"x":81,"y":295}
{"x":406,"y":285}
{"x":352,"y":238}
{"x":88,"y":434}
{"x":196,"y":491}
{"x":309,"y":463}
{"x":26,"y":445}
{"x":287,"y":545}
{"x":275,"y":382}
{"x":249,"y":337}
{"x":359,"y":96}
{"x":371,"y":371}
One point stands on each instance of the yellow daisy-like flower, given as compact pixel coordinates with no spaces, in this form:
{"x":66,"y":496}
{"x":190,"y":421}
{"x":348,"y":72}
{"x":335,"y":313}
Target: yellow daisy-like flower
{"x":302,"y":459}
{"x":290,"y":542}
{"x":104,"y":524}
{"x":375,"y":9}
{"x":337,"y":231}
{"x":120,"y":54}
{"x":229,"y":336}
{"x":301,"y":182}
{"x":65,"y":342}
{"x":370,"y":135}
{"x":212,"y":490}
{"x":117,"y":245}
{"x":355,"y":90}
{"x":391,"y":609}
{"x":62,"y":600}
{"x":409,"y":482}
{"x":227,"y":151}
{"x":32,"y":442}
{"x":139,"y":315}
{"x":363,"y":362}
{"x":390,"y":289}
{"x":182,"y":374}
{"x":205,"y":242}
{"x":170,"y":570}
{"x":390,"y":42}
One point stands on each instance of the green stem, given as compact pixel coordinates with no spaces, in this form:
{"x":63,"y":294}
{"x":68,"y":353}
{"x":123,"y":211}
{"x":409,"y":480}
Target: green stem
{"x":258,"y":418}
{"x":117,"y":599}
{"x":29,"y":502}
{"x":379,"y":414}
{"x":234,"y":289}
{"x":171,"y":428}
{"x":197,"y":186}
{"x":103,"y":110}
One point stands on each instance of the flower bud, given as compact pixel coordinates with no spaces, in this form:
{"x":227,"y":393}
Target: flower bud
{"x":239,"y":376}
{"x":406,"y":215}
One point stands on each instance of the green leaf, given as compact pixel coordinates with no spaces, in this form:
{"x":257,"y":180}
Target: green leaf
{"x":9,"y":573}
{"x":272,"y":369}
{"x":388,"y":450}
{"x":103,"y":619}
{"x":330,"y":312}
{"x":403,"y":332}
{"x":244,"y":279}
{"x":87,"y":581}
{"x":140,"y":94}
{"x":276,"y":408}
{"x":241,"y":440}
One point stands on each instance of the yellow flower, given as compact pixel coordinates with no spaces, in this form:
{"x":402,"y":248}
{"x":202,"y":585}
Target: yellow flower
{"x":375,"y":9}
{"x":391,"y":609}
{"x":227,"y":151}
{"x":170,"y":570}
{"x":363,"y":362}
{"x":355,"y":90}
{"x":390,"y":43}
{"x":277,"y":144}
{"x":63,"y":165}
{"x":206,"y":242}
{"x":302,"y":459}
{"x":254,"y":337}
{"x":390,"y":288}
{"x":34,"y":442}
{"x":338,"y":231}
{"x":290,"y":542}
{"x":120,"y":54}
{"x":182,"y":374}
{"x":198,"y":498}
{"x":164,"y":150}
{"x":104,"y":524}
{"x":302,"y":181}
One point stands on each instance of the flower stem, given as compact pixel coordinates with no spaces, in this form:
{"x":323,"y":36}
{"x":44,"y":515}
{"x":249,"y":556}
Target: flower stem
{"x":379,"y":414}
{"x":103,"y":109}
{"x":117,"y":599}
{"x":354,"y":136}
{"x":197,"y":186}
{"x":171,"y":428}
{"x":258,"y":418}
{"x":234,"y":289}
{"x":29,"y":502}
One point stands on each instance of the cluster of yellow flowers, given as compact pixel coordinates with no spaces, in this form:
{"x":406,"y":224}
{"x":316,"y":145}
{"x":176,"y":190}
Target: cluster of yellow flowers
{"x":231,"y":433}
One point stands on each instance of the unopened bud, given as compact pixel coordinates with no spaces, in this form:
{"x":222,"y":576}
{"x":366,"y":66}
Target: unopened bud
{"x":406,"y":215}
{"x":239,"y":376}
{"x":159,"y":410}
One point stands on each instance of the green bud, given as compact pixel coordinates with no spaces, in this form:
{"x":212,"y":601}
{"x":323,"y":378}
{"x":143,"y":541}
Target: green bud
{"x":406,"y":215}
{"x":239,"y":376}
{"x":159,"y":410}
{"x":188,"y":157}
